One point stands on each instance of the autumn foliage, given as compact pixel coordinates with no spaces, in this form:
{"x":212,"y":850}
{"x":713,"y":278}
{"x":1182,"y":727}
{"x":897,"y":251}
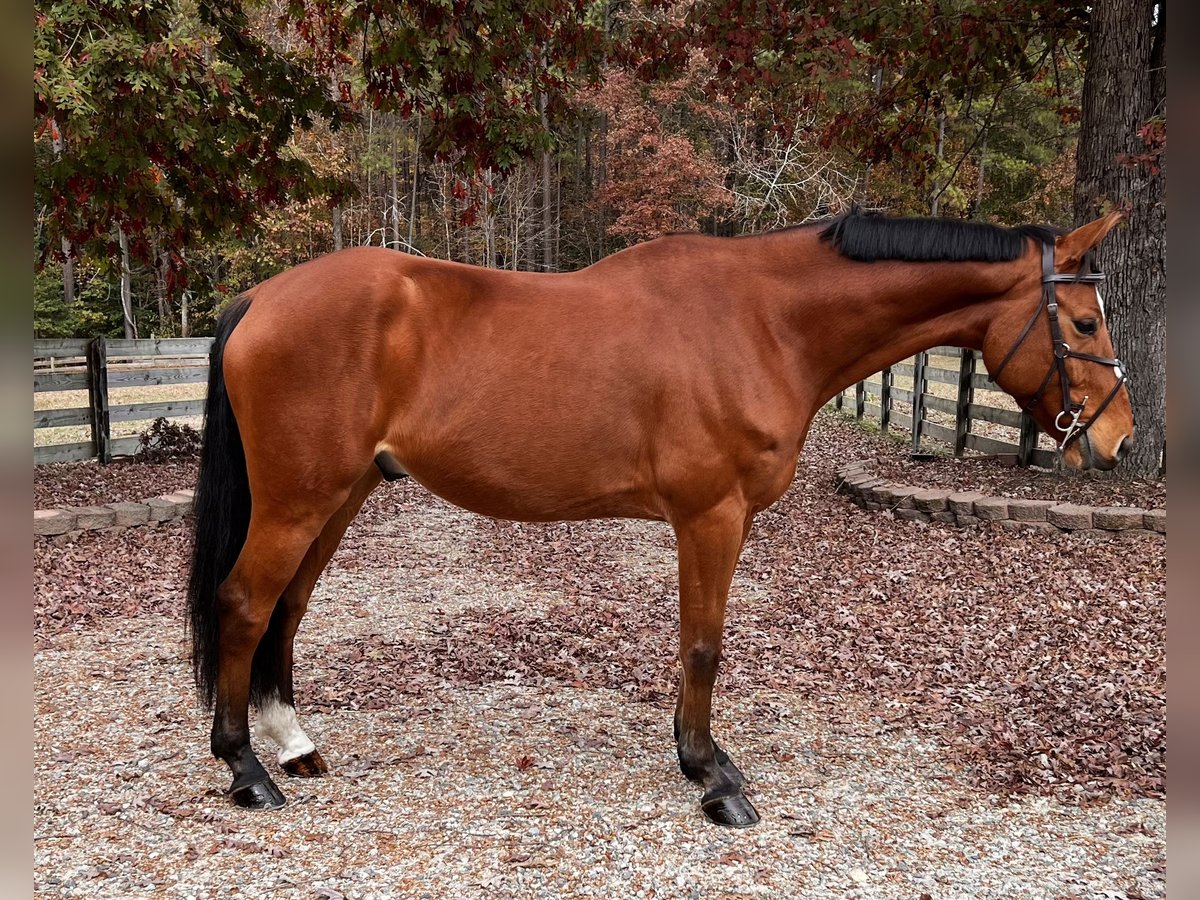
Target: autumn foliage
{"x":659,"y":180}
{"x":227,"y":141}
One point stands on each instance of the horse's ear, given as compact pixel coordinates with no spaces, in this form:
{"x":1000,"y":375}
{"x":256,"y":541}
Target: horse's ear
{"x":1069,"y":249}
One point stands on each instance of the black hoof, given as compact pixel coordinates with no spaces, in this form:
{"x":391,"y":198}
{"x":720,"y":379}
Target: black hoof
{"x":730,"y":810}
{"x":310,"y":765}
{"x":260,"y":795}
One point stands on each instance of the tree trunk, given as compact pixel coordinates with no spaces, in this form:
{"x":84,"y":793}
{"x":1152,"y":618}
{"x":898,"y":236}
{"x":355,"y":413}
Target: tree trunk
{"x":164,"y":305}
{"x":547,"y":196}
{"x":337,"y":228}
{"x":980,"y":177}
{"x":395,"y":192}
{"x":558,"y":180}
{"x":416,"y":171}
{"x":126,"y":286}
{"x":68,"y":266}
{"x":1122,"y":90}
{"x":936,"y":196}
{"x":447,"y":203}
{"x":370,"y":210}
{"x":489,"y":220}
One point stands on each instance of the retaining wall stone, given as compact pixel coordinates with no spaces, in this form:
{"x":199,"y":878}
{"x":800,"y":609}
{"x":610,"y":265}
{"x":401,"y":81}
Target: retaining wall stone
{"x":53,"y":521}
{"x":1029,"y":510}
{"x":61,"y":525}
{"x":963,"y":503}
{"x":93,"y":518}
{"x":932,"y":501}
{"x":992,"y":509}
{"x":130,"y":513}
{"x":1069,"y":516}
{"x":966,"y":508}
{"x":1115,"y":518}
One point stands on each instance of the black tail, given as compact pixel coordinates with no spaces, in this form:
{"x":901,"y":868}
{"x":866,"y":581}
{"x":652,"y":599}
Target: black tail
{"x":222,"y":509}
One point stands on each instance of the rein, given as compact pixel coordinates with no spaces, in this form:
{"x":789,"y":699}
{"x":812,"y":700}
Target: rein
{"x":1072,"y":430}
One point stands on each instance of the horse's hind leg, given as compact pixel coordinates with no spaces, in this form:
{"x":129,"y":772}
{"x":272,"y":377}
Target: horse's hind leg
{"x":709,"y":546}
{"x":276,"y":544}
{"x":272,"y":688}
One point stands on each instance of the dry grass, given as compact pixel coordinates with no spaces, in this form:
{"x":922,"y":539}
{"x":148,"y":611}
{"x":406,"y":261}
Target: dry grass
{"x":117,"y":396}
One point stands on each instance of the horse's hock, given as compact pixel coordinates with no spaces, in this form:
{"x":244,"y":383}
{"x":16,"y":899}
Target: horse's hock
{"x":963,"y":508}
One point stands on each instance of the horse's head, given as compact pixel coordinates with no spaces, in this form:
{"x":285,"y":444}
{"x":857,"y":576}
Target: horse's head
{"x":1059,"y":362}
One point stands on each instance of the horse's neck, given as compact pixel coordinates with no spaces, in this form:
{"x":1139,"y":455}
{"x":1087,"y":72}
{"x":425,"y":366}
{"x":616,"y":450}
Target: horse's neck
{"x":853,"y":319}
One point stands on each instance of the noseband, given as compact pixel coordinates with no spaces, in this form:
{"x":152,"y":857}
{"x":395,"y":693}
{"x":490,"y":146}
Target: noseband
{"x":1067,"y":422}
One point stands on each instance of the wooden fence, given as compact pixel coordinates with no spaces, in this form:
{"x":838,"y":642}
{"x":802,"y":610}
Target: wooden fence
{"x":82,"y":374}
{"x":937,"y":391}
{"x":940,"y":403}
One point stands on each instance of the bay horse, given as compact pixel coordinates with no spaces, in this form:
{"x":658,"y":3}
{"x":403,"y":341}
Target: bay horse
{"x":674,"y":381}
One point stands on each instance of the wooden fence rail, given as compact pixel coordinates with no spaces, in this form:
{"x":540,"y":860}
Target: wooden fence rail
{"x":940,"y":404}
{"x":95,"y":368}
{"x":927,"y":398}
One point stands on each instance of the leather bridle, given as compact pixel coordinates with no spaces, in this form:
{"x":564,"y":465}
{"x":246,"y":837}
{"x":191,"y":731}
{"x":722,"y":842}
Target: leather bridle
{"x":1072,"y":429}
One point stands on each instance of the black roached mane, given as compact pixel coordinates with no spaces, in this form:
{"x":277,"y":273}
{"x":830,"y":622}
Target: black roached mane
{"x":867,"y":237}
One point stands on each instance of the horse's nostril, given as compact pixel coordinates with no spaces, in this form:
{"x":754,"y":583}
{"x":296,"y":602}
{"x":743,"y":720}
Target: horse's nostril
{"x":1123,"y":449}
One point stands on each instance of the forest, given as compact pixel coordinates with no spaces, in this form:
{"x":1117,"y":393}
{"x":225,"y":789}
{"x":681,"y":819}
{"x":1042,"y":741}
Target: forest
{"x":188,"y":149}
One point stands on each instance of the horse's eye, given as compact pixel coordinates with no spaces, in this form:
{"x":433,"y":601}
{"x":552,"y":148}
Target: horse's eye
{"x":1086,"y":326}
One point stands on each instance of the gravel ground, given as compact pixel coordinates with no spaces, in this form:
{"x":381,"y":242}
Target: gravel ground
{"x":912,"y":703}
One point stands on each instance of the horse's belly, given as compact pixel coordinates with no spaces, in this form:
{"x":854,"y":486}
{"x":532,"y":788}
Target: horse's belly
{"x":534,"y":487}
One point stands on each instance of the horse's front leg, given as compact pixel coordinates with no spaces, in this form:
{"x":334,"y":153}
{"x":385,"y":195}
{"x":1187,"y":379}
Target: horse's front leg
{"x":709,"y":546}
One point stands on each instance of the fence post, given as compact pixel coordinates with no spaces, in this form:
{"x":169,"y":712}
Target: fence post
{"x":1027,"y":442}
{"x":97,"y":373}
{"x":918,"y":403}
{"x":885,"y":399}
{"x":962,"y":406}
{"x":860,"y":399}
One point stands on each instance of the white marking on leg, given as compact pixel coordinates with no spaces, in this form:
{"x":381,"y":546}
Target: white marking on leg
{"x":277,"y":721}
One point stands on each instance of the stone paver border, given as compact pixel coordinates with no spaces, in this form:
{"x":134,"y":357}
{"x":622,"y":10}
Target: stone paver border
{"x":972,"y":508}
{"x":72,"y":520}
{"x":905,"y":502}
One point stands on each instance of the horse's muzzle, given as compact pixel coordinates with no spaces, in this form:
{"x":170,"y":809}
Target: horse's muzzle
{"x":1090,"y":459}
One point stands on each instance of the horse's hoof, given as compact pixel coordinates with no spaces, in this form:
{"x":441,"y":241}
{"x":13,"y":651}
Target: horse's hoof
{"x":260,"y":795}
{"x":730,"y":810}
{"x":310,"y":765}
